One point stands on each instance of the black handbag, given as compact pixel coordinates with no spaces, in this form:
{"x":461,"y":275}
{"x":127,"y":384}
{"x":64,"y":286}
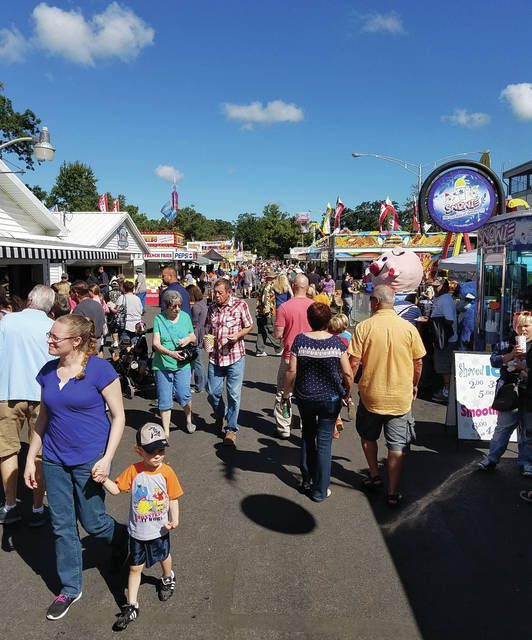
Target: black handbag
{"x":441,"y":332}
{"x":506,"y":397}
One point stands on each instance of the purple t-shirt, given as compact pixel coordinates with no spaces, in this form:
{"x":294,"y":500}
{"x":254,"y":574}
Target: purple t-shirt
{"x":78,"y":426}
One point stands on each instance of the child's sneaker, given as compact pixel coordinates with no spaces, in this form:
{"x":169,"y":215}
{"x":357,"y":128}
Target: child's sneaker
{"x":339,"y":426}
{"x":129,"y":613}
{"x":166,"y":587}
{"x":336,"y":433}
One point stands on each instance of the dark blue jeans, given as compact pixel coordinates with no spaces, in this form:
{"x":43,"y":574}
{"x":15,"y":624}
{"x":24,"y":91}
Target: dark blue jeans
{"x":317,"y":423}
{"x":198,"y":371}
{"x":72,"y":495}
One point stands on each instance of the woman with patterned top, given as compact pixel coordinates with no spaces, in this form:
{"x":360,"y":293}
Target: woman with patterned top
{"x":321,"y":377}
{"x":78,"y":444}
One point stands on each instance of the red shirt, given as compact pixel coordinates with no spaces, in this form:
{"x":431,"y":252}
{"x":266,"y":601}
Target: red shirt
{"x":292,"y":315}
{"x":223,"y":321}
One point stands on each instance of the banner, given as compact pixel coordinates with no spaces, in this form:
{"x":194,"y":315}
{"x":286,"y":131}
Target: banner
{"x":103,"y":205}
{"x":116,"y":205}
{"x":475,"y":381}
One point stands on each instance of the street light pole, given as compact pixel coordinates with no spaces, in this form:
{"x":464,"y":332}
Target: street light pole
{"x":42,"y":148}
{"x":414,"y":167}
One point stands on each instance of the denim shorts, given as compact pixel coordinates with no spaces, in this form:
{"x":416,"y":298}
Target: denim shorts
{"x":148,"y":552}
{"x":173,"y":385}
{"x":398,"y":430}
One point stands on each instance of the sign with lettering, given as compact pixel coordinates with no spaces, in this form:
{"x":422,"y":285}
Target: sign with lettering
{"x":515,"y":229}
{"x":461,"y":200}
{"x":476,"y":380}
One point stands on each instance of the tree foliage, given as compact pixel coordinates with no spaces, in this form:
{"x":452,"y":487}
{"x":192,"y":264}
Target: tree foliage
{"x":270,"y":235}
{"x":39,"y":193}
{"x":15,"y":124}
{"x":75,"y":188}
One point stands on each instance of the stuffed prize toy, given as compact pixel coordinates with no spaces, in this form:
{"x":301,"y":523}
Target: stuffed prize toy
{"x":398,"y":268}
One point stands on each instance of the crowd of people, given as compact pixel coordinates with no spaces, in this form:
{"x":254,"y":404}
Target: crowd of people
{"x":55,"y":374}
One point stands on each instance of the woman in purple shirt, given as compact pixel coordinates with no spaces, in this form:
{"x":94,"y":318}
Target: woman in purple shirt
{"x":78,"y":444}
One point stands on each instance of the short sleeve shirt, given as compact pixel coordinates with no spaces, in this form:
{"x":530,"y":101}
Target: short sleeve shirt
{"x":292,"y":316}
{"x":387,"y":347}
{"x":223,"y":321}
{"x":170,"y":333}
{"x":78,"y":427}
{"x":444,"y":307}
{"x":318,"y":374}
{"x":151,"y":492}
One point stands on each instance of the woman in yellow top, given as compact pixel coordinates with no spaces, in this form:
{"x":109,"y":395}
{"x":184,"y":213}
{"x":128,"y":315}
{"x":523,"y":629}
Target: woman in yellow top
{"x":321,"y":296}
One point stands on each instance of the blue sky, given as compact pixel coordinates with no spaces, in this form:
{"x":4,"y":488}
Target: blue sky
{"x":250,"y":102}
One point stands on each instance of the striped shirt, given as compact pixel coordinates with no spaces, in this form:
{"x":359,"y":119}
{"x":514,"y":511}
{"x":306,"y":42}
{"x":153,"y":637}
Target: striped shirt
{"x":222,"y":322}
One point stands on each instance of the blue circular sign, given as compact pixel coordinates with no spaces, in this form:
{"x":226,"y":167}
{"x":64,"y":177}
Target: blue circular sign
{"x":461,"y":200}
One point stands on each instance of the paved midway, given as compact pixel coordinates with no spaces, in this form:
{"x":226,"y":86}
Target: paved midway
{"x":255,"y":560}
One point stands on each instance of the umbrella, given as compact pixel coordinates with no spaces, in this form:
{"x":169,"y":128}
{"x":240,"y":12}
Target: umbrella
{"x":513,"y":203}
{"x":466,"y":261}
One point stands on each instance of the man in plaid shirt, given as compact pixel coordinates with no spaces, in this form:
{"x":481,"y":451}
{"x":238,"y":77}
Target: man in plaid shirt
{"x":229,"y":321}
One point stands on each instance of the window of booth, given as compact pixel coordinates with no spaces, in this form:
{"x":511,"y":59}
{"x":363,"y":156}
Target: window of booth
{"x":490,"y":313}
{"x":518,"y":283}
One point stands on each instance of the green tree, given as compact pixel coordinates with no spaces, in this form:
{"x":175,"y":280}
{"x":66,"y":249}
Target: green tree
{"x":249,"y":231}
{"x":75,"y":188}
{"x":15,"y":124}
{"x":39,"y":193}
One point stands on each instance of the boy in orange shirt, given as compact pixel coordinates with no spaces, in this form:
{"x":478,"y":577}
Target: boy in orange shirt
{"x":153,"y":513}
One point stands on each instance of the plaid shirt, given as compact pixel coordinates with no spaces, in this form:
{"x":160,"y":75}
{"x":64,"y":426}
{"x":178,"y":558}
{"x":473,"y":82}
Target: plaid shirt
{"x":221,"y":322}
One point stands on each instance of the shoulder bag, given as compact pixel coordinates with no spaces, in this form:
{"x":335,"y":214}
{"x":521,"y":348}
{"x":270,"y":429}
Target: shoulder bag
{"x":190,"y":351}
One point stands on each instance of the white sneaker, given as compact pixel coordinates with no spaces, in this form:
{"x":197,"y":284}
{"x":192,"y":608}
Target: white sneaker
{"x":261,"y":354}
{"x":191,"y":427}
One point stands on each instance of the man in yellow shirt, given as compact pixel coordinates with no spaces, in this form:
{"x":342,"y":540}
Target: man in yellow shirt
{"x":390,"y":351}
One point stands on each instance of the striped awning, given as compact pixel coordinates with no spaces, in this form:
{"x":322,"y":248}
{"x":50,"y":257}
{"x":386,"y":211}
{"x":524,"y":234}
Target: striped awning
{"x":55,"y":253}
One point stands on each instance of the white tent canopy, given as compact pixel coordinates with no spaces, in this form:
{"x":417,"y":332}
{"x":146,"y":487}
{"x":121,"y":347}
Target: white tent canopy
{"x":462,"y":262}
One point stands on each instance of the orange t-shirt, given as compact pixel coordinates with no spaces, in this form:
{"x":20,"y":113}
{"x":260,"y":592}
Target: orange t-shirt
{"x":151,"y":492}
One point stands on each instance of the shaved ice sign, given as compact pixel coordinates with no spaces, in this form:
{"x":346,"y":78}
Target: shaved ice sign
{"x":476,"y":381}
{"x":461,"y":200}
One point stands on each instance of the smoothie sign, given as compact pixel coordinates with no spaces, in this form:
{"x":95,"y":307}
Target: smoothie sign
{"x":461,"y":200}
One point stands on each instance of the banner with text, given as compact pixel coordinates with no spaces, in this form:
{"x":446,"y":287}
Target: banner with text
{"x":475,"y":389}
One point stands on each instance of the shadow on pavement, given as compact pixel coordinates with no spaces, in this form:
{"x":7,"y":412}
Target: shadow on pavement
{"x":278,"y":514}
{"x":460,"y":541}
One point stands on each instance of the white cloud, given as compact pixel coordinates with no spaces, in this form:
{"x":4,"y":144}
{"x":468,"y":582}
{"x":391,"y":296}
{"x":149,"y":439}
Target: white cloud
{"x":390,"y":22}
{"x":461,"y":118}
{"x":13,"y":46}
{"x":274,"y":111}
{"x":117,"y":32}
{"x":520,"y":98}
{"x":167,"y":172}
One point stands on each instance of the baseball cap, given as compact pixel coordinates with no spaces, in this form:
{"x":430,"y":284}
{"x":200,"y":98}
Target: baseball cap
{"x":138,"y":269}
{"x":64,"y":275}
{"x":151,"y":437}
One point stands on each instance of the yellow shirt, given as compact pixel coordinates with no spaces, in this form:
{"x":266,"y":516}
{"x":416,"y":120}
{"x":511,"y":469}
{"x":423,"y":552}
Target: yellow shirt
{"x":387,"y":345}
{"x":323,"y":298}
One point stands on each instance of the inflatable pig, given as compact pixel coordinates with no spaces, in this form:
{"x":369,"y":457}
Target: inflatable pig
{"x":399,"y":268}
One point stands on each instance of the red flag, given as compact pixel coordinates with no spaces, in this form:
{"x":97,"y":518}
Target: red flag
{"x":415,"y":221}
{"x":387,"y":208}
{"x":116,"y":205}
{"x":340,"y":206}
{"x":103,"y":205}
{"x":175,"y":200}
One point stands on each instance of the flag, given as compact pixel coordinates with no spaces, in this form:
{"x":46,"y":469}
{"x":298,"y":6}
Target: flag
{"x":175,"y":199}
{"x":103,"y":205}
{"x":387,"y":208}
{"x":167,"y":211}
{"x":415,"y":220}
{"x":340,"y":206}
{"x":326,"y":226}
{"x":54,"y":209}
{"x":116,"y":205}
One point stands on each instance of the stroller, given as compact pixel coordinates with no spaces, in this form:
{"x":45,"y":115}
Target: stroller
{"x":132,"y":362}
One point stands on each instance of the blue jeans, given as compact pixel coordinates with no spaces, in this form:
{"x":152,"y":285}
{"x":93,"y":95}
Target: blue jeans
{"x":317,"y":424}
{"x":142,"y":298}
{"x":72,"y":495}
{"x":234,"y":375}
{"x":198,"y":371}
{"x":507,"y":422}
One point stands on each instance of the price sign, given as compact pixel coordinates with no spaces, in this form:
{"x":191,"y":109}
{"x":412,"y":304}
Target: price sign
{"x":475,"y":380}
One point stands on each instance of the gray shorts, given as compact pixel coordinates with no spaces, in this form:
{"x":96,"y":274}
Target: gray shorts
{"x":443,"y":358}
{"x":398,"y":430}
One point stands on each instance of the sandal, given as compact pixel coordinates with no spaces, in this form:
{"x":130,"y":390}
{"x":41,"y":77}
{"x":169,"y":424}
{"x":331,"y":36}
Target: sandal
{"x":394,"y":499}
{"x":370,"y":483}
{"x":526,"y":495}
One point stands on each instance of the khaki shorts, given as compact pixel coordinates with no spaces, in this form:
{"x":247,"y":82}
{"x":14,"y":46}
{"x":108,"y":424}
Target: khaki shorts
{"x":13,"y":415}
